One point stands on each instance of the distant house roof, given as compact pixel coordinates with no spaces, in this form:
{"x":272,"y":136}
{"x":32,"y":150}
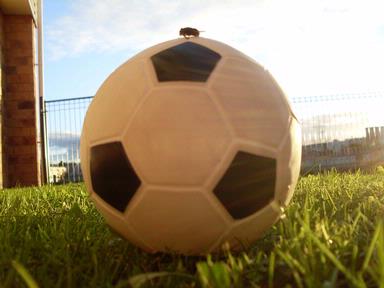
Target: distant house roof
{"x":19,"y":7}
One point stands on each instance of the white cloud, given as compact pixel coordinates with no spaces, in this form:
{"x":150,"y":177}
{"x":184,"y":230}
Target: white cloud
{"x":323,"y":44}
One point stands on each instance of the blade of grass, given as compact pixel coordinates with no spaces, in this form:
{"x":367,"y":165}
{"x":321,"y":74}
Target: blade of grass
{"x":24,"y":274}
{"x":371,"y":248}
{"x":271,"y":269}
{"x":324,"y":249}
{"x":139,"y":280}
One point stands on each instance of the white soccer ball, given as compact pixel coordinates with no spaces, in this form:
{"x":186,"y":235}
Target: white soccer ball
{"x":188,"y":145}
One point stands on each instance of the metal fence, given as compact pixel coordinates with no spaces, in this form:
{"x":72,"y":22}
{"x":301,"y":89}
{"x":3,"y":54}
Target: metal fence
{"x":340,"y":131}
{"x":64,"y":121}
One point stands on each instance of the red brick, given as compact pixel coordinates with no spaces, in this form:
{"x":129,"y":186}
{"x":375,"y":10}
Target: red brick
{"x":22,"y":150}
{"x":24,"y":36}
{"x":27,"y":77}
{"x":17,"y":23}
{"x":20,"y":96}
{"x":21,"y":78}
{"x":10,"y":70}
{"x":21,"y":159}
{"x":18,"y":87}
{"x":25,"y":69}
{"x":24,"y":60}
{"x":30,"y":179}
{"x":12,"y":51}
{"x":26,"y":114}
{"x":21,"y":132}
{"x":20,"y":140}
{"x":27,"y":168}
{"x":10,"y":106}
{"x":20,"y":123}
{"x":22,"y":105}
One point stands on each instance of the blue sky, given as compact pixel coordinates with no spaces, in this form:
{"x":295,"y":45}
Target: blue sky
{"x":312,"y":47}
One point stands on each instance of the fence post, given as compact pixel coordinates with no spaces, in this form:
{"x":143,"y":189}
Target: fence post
{"x":43,"y":138}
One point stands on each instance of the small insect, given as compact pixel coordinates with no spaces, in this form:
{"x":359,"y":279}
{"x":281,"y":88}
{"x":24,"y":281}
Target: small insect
{"x":188,"y":32}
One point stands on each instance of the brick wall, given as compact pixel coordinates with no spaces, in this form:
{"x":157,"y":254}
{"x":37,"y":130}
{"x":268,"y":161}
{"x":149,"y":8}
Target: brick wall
{"x":19,"y":114}
{"x":2,"y":89}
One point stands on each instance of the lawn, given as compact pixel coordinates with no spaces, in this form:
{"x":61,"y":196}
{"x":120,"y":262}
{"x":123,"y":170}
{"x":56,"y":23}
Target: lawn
{"x":331,"y":235}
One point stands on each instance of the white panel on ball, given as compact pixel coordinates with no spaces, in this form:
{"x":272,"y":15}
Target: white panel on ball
{"x":177,"y":220}
{"x":251,"y":101}
{"x":114,"y":105}
{"x":118,"y":223}
{"x":245,"y":232}
{"x":168,"y":129}
{"x":289,"y":159}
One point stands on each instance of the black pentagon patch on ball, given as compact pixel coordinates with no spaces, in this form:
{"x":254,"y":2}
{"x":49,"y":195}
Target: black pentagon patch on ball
{"x":185,"y":62}
{"x":248,"y":185}
{"x":112,"y":175}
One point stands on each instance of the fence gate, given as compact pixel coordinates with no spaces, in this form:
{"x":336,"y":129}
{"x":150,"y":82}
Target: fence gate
{"x":64,"y":120}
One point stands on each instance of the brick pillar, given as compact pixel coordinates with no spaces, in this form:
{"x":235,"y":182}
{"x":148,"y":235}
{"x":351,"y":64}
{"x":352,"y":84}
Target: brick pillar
{"x":2,"y":90}
{"x":20,"y":117}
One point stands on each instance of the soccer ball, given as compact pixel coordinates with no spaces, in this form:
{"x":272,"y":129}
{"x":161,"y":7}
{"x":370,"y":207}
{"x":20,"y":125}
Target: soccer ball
{"x":189,"y":145}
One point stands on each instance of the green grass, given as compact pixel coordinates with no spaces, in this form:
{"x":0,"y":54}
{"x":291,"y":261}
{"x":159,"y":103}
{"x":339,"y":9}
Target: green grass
{"x":331,"y":235}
